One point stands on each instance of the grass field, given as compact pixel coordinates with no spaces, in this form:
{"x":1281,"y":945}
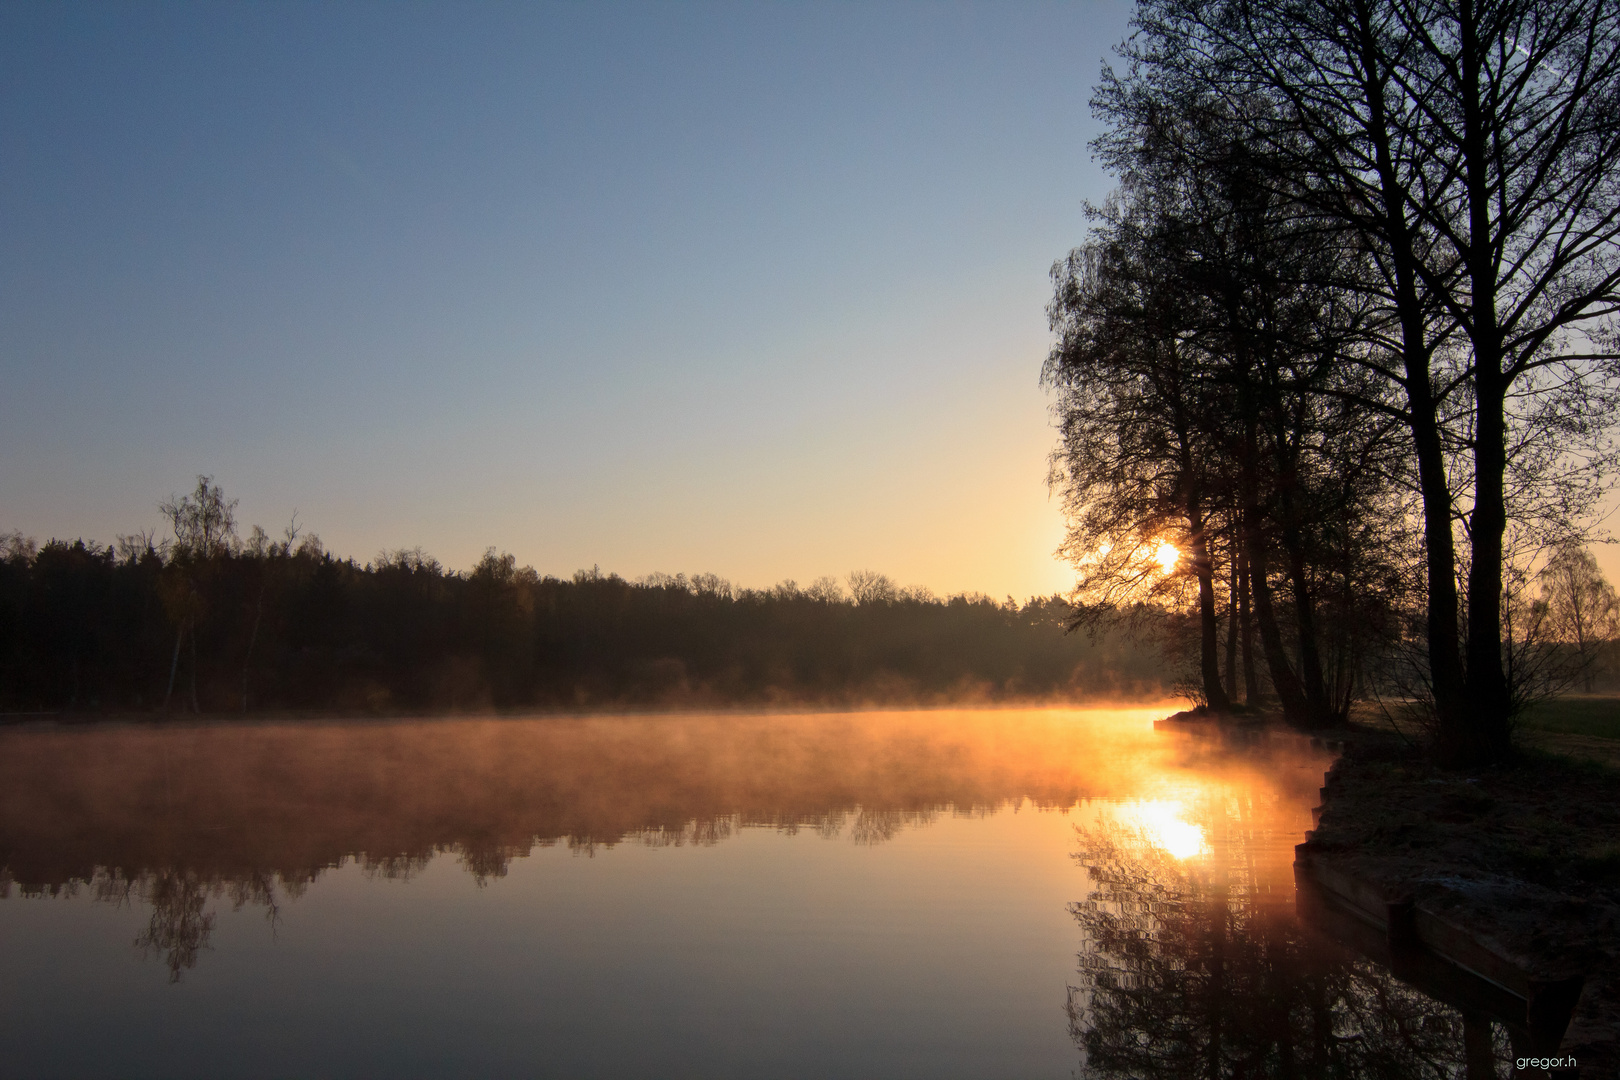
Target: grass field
{"x":1593,"y":716}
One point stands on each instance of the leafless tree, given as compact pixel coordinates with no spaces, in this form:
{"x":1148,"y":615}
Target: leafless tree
{"x":204,"y":522}
{"x":1200,"y":396}
{"x":871,"y":587}
{"x":1469,"y":151}
{"x":1582,"y":610}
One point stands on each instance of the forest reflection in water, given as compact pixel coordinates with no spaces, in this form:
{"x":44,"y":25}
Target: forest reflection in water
{"x":252,"y":813}
{"x":1191,"y":961}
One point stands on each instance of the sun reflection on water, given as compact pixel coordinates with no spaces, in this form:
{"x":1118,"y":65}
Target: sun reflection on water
{"x":1162,"y":823}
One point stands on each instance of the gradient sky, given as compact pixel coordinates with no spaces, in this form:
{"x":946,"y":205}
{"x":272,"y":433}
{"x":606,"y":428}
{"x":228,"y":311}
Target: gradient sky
{"x":755,"y":289}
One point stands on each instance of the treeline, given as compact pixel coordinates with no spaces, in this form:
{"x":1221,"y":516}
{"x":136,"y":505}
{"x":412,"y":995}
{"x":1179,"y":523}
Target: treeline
{"x":210,"y":622}
{"x":1345,"y":336}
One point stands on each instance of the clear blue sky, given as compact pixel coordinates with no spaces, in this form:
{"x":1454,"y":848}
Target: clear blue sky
{"x":755,"y":289}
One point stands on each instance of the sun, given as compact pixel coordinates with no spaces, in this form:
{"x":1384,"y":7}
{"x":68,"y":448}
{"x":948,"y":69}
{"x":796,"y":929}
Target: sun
{"x":1166,"y":556}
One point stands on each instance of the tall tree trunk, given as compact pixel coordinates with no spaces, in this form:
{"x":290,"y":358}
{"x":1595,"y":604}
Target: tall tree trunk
{"x":1444,"y":644}
{"x":1296,"y":710}
{"x":1440,"y":556}
{"x":1209,"y":668}
{"x":247,"y":660}
{"x":1310,"y":656}
{"x":194,"y":707}
{"x":1251,"y":670}
{"x":1486,"y":737}
{"x":174,"y":664}
{"x":1232,"y":625}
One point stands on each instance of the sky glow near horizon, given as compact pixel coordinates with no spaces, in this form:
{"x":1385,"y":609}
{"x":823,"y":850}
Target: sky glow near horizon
{"x":750,"y":290}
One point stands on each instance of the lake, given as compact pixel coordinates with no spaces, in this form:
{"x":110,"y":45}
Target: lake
{"x":944,"y":893}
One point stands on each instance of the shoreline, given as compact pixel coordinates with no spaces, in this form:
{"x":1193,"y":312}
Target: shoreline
{"x":175,"y":718}
{"x":1500,"y":889}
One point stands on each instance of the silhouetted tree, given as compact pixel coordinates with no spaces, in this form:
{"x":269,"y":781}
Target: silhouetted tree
{"x":204,"y":525}
{"x":871,"y":587}
{"x":1199,"y":396}
{"x":1579,"y":610}
{"x":1462,"y":154}
{"x":1135,"y":467}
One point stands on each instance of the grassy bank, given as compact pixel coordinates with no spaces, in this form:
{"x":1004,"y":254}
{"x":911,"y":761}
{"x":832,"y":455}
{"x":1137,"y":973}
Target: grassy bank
{"x":1584,"y":728}
{"x":1592,"y":715}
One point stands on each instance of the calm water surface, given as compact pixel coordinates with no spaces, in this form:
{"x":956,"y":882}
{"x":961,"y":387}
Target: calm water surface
{"x":976,"y":893}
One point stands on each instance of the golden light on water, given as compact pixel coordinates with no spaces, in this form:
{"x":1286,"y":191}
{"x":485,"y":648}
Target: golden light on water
{"x":1162,"y":823}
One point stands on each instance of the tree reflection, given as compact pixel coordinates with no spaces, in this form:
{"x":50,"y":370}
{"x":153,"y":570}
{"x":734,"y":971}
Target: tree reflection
{"x":1191,"y":969}
{"x":180,"y":926}
{"x":181,"y":923}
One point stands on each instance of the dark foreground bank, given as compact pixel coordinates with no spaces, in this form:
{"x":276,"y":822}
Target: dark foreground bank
{"x":1498,"y":889}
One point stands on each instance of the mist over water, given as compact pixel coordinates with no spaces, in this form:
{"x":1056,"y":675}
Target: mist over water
{"x":294,"y":799}
{"x":912,"y":893}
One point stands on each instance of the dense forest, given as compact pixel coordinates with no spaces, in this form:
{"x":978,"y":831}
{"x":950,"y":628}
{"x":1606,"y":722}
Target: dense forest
{"x":208,"y":621}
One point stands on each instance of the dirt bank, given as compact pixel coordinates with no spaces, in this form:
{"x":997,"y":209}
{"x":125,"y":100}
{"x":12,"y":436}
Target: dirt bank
{"x":1512,"y":873}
